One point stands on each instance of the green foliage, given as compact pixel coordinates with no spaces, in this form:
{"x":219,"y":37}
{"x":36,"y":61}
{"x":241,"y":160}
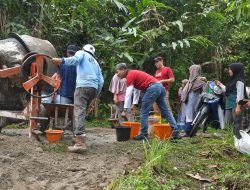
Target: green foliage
{"x":17,"y":126}
{"x":167,"y":164}
{"x":186,"y":32}
{"x":155,"y":154}
{"x":97,"y":122}
{"x":240,"y":9}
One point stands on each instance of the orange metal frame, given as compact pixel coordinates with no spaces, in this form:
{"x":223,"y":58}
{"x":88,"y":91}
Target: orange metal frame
{"x":35,"y":102}
{"x":36,"y":74}
{"x":10,"y":71}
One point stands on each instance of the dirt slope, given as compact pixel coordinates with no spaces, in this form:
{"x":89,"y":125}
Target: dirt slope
{"x":26,"y":164}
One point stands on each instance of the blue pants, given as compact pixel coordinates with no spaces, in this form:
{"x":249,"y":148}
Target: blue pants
{"x":155,"y":93}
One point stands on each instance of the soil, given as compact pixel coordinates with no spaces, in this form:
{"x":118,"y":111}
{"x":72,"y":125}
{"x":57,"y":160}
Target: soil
{"x":28,"y":164}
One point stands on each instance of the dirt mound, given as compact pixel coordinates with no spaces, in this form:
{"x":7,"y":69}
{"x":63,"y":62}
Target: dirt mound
{"x":26,"y":164}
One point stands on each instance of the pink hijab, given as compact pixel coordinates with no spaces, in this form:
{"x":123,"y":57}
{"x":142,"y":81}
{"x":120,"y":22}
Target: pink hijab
{"x":194,"y":82}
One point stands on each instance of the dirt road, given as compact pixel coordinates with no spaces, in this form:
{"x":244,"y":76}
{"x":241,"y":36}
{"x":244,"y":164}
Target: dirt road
{"x":27,"y":164}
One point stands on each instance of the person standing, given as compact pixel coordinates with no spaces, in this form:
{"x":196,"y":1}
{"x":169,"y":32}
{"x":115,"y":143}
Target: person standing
{"x":234,"y":90}
{"x":190,"y":95}
{"x":67,"y":74}
{"x":164,"y":75}
{"x":154,"y":92}
{"x":180,"y":120}
{"x":118,"y":88}
{"x":89,"y":83}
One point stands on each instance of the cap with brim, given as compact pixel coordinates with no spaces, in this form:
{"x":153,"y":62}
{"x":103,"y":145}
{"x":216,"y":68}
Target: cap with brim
{"x":72,"y":48}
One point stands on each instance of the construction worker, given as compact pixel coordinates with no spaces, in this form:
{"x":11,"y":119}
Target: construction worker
{"x":89,"y":83}
{"x":154,"y":92}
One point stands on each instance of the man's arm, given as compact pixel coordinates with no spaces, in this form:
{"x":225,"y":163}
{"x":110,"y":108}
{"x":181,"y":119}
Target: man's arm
{"x":100,"y":81}
{"x":74,"y":60}
{"x":170,"y":75}
{"x":128,"y":97}
{"x":136,"y":96}
{"x":170,"y":80}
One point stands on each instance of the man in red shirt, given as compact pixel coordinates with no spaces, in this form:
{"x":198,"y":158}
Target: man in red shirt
{"x":154,"y":92}
{"x":164,"y":75}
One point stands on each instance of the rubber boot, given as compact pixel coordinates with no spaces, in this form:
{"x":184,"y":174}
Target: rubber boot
{"x":80,"y":144}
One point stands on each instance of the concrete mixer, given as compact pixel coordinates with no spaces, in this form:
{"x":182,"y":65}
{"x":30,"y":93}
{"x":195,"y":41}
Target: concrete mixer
{"x":25,"y":70}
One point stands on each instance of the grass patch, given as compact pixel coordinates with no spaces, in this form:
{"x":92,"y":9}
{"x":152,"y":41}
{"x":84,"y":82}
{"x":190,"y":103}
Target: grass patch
{"x":17,"y":126}
{"x":167,"y":164}
{"x":59,"y":147}
{"x":97,"y":122}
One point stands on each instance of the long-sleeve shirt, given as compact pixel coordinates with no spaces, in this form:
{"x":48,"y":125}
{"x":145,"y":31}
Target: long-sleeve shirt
{"x":89,"y":73}
{"x":128,"y":97}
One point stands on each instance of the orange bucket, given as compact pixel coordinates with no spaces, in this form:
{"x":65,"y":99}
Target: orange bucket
{"x":135,"y":127}
{"x":162,"y":131}
{"x":54,"y":135}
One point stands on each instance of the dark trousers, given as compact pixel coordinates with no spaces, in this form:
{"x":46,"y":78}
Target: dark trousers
{"x":82,"y":98}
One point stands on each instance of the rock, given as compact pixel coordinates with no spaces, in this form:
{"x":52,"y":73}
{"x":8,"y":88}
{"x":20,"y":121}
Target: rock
{"x":103,"y":184}
{"x":39,"y":149}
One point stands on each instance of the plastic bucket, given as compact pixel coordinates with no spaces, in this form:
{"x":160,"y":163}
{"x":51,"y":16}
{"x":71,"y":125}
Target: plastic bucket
{"x":135,"y":128}
{"x":151,"y":122}
{"x":122,"y":133}
{"x":54,"y":135}
{"x":158,"y":116}
{"x":162,"y":131}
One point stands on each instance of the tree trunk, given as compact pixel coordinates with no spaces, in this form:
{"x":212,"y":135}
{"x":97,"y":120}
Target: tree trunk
{"x":3,"y":21}
{"x":41,"y":17}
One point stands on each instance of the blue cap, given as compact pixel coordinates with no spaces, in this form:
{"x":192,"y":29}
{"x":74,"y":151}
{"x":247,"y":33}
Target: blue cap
{"x":72,"y":48}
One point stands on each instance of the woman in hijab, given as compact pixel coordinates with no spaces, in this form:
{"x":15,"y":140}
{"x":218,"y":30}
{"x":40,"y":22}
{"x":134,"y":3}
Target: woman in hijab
{"x":180,"y":122}
{"x":234,"y":91}
{"x":190,"y":94}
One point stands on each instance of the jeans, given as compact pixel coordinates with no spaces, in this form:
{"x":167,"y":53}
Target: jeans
{"x":156,"y":107}
{"x":155,"y":93}
{"x":82,"y":99}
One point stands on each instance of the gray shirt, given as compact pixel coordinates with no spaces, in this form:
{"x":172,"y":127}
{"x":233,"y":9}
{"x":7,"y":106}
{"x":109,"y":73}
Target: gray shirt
{"x":240,"y":90}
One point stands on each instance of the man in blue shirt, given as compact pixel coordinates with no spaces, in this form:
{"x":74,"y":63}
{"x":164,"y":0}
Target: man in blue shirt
{"x":89,"y":83}
{"x":67,"y":74}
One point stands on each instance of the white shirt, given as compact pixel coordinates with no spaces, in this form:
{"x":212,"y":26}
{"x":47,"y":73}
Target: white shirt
{"x":128,"y":97}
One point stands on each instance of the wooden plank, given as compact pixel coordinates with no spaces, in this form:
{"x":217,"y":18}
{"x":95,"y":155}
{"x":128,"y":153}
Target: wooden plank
{"x":50,"y":109}
{"x":66,"y":117}
{"x":39,"y":118}
{"x":14,"y":115}
{"x":56,"y":116}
